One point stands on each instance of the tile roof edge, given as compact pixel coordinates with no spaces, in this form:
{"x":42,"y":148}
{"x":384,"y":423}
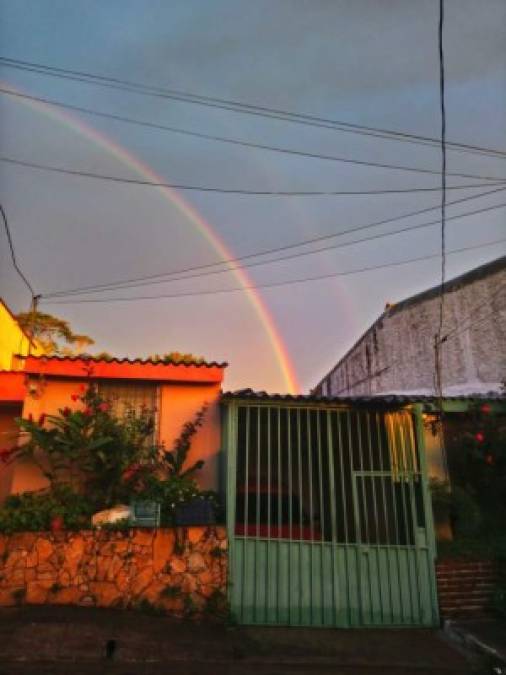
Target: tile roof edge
{"x":125,"y":360}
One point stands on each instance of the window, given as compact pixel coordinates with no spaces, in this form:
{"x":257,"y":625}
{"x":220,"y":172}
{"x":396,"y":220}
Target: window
{"x":126,"y":396}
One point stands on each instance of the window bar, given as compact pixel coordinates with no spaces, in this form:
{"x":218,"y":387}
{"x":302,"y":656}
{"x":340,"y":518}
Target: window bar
{"x":385,"y":514}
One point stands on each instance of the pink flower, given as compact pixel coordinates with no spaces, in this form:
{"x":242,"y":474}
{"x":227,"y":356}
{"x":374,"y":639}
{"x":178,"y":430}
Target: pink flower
{"x":104,"y":407}
{"x":485,"y":408}
{"x":88,"y":412}
{"x":480,"y":437}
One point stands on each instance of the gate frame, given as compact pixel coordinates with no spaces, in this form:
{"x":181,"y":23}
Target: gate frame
{"x":229,"y":420}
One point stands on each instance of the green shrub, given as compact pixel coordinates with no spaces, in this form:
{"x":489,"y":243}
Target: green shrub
{"x":34,"y":511}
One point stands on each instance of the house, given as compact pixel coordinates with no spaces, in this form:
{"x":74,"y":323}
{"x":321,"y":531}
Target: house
{"x":13,"y":341}
{"x":396,"y":354}
{"x":175,"y":390}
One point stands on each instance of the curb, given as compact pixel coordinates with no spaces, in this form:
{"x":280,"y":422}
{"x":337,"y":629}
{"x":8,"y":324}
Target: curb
{"x":459,"y":634}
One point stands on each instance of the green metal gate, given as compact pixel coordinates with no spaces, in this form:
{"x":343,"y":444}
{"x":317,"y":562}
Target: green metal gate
{"x":329,"y":516}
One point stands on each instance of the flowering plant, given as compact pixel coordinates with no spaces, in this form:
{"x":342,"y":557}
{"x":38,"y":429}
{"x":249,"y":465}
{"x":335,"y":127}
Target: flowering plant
{"x":89,"y":449}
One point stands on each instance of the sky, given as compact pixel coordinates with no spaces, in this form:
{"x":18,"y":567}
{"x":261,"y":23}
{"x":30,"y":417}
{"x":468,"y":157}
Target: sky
{"x":370,"y":62}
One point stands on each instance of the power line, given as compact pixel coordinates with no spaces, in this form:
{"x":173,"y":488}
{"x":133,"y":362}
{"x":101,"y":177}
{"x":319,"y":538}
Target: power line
{"x":238,"y":191}
{"x":273,"y":284}
{"x":172,"y":129}
{"x":277,"y":249}
{"x":221,"y":190}
{"x":236,"y":106}
{"x":276,"y":260}
{"x":13,"y":254}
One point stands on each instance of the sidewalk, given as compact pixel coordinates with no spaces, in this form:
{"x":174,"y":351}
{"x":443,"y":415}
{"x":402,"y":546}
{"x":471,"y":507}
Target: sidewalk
{"x":77,"y":640}
{"x":485,"y":636}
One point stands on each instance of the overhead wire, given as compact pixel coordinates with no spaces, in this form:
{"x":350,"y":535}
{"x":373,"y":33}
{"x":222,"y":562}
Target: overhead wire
{"x":172,"y":129}
{"x":267,"y":285}
{"x":13,"y":254}
{"x":270,"y":251}
{"x":236,"y":106}
{"x":222,"y":190}
{"x":291,"y":256}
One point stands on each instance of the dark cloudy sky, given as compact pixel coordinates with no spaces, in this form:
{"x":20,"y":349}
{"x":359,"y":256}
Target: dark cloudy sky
{"x":370,"y":62}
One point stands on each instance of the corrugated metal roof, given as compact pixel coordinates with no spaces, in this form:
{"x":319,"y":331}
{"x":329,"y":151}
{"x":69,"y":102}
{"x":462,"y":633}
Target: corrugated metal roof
{"x":386,"y":399}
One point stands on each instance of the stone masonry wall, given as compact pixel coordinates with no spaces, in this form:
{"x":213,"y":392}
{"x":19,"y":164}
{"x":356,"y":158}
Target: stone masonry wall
{"x":181,"y":571}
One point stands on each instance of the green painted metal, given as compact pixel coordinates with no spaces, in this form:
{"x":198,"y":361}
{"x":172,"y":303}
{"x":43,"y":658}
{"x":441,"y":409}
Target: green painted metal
{"x":329,"y":516}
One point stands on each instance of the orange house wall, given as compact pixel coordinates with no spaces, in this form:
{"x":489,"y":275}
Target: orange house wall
{"x":179,"y":402}
{"x":8,"y":438}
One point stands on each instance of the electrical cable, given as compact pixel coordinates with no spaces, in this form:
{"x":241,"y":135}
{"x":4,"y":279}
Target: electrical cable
{"x":277,"y":249}
{"x":13,"y":254}
{"x":171,"y":129}
{"x":290,"y":256}
{"x":269,"y":285}
{"x":237,"y":106}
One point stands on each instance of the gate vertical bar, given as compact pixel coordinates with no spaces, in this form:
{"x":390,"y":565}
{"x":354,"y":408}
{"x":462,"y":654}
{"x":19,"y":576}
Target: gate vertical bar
{"x":333,"y":515}
{"x":229,"y":448}
{"x":427,"y":502}
{"x":385,"y":515}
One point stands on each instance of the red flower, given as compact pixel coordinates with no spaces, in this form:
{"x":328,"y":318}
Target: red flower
{"x":88,"y":412}
{"x":130,"y":471}
{"x":489,"y":459}
{"x":30,"y":417}
{"x":42,"y":419}
{"x":480,"y":437}
{"x":66,"y":411}
{"x":75,"y":397}
{"x":104,"y":407}
{"x":82,"y":387}
{"x":485,"y":408}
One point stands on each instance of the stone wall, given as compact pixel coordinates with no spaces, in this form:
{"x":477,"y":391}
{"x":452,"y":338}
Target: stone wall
{"x":181,"y":571}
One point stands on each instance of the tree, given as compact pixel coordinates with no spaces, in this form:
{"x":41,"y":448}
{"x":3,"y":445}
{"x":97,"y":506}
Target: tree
{"x":53,"y":334}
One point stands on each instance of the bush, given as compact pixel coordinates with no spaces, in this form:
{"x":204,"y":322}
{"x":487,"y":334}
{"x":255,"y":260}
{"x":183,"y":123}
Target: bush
{"x":34,"y":511}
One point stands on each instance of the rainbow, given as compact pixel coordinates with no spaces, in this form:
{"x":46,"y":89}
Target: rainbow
{"x":203,"y":227}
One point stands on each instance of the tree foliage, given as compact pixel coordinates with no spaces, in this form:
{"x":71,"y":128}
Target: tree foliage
{"x":54,"y":334}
